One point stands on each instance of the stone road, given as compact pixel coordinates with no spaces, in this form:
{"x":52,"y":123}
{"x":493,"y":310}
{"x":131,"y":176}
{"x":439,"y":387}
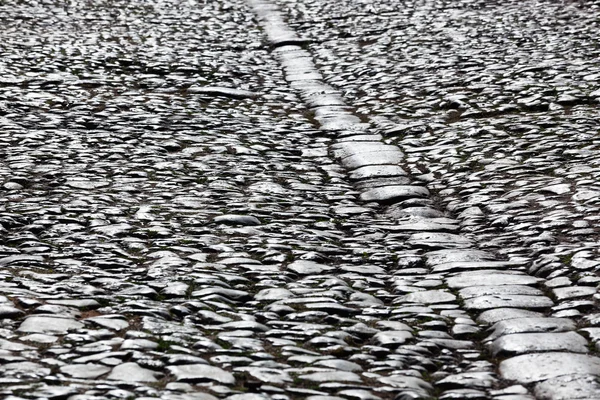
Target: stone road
{"x":299,"y":199}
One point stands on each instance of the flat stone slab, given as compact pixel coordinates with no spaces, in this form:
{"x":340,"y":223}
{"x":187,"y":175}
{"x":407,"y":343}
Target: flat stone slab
{"x":499,"y":301}
{"x":50,"y":325}
{"x":572,"y":292}
{"x":392,"y":338}
{"x":363,"y":269}
{"x":435,"y":240}
{"x":504,"y":314}
{"x":84,"y":371}
{"x":194,"y":373}
{"x":476,"y":291}
{"x":363,"y":159}
{"x":425,"y":226}
{"x":531,"y":325}
{"x":10,"y":312}
{"x":569,"y":388}
{"x":474,"y":265}
{"x":267,"y":375}
{"x":82,"y":304}
{"x":480,"y":380}
{"x":376,"y":171}
{"x":236,"y":219}
{"x":394,"y":193}
{"x":521,"y":343}
{"x":305,"y":267}
{"x":333,"y":376}
{"x":347,"y":149}
{"x":222,"y":91}
{"x":272,"y":294}
{"x":530,"y":368}
{"x":428,"y":297}
{"x":132,"y":372}
{"x":445,"y":256}
{"x":484,"y":278}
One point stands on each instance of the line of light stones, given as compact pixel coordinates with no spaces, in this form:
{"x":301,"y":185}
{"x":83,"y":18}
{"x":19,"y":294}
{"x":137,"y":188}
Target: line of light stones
{"x":369,"y":159}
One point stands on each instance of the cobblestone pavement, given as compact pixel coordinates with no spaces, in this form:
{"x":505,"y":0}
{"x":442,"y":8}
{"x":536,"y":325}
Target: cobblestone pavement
{"x":299,"y":199}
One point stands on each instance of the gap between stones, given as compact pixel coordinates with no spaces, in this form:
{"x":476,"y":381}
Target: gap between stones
{"x":374,"y":167}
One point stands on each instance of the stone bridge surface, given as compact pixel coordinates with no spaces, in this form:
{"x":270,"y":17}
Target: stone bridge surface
{"x":299,"y":199}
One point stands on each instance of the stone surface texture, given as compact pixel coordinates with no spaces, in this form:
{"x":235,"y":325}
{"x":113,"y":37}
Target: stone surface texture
{"x":325,"y":200}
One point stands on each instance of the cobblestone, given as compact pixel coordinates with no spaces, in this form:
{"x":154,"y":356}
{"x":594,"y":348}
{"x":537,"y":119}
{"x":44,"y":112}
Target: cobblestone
{"x":267,"y":199}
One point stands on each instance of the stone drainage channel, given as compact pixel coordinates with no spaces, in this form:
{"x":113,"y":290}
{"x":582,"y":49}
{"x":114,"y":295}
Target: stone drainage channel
{"x":534,"y":347}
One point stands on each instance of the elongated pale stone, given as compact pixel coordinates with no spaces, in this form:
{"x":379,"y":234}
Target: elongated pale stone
{"x":388,"y":194}
{"x":530,"y":368}
{"x":521,"y":343}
